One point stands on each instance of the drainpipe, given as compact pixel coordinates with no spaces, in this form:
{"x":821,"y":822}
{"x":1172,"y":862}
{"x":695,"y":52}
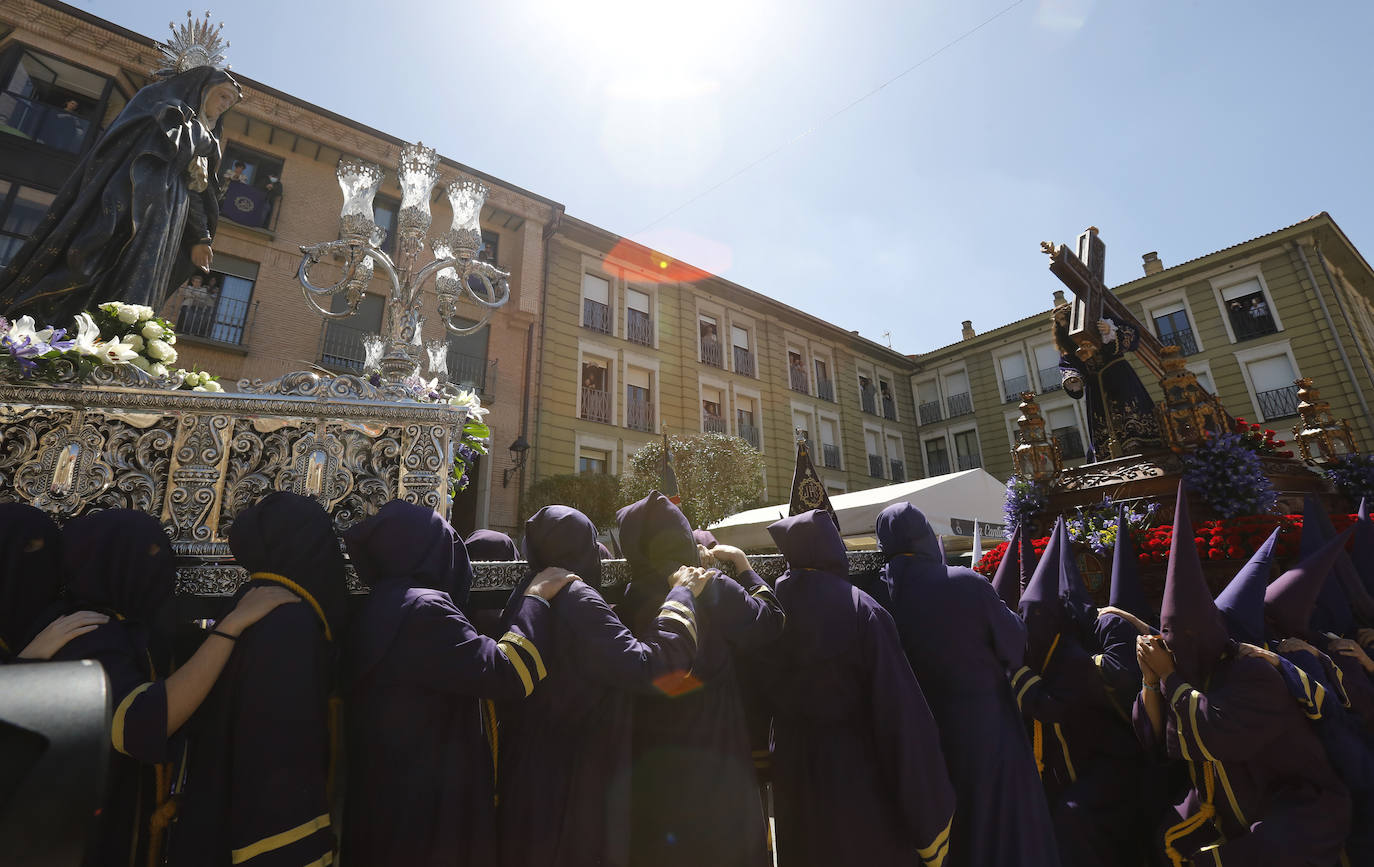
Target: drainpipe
{"x":1345,"y":311}
{"x":1331,"y":325}
{"x":525,"y":417}
{"x":548,"y":232}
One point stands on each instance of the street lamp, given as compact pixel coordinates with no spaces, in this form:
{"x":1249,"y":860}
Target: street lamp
{"x":519,"y":450}
{"x":399,"y":349}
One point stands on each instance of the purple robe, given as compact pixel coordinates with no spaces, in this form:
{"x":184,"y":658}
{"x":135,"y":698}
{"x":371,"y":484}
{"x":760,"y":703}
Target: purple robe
{"x":260,"y":758}
{"x":563,"y":768}
{"x":489,"y":546}
{"x":859,"y":775}
{"x":694,"y":797}
{"x":30,"y":554}
{"x":962,"y":640}
{"x":420,"y":787}
{"x":119,"y":562}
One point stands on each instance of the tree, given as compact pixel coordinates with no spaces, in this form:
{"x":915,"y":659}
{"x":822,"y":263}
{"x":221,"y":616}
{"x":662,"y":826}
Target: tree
{"x":717,"y":475}
{"x":595,"y":495}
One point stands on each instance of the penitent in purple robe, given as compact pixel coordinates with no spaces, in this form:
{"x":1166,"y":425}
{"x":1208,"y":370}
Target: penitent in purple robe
{"x":858,"y":772}
{"x":1263,"y":792}
{"x":259,"y":764}
{"x":420,"y":787}
{"x":563,"y":768}
{"x":30,"y":558}
{"x":962,"y":640}
{"x":119,"y":562}
{"x":693,"y":791}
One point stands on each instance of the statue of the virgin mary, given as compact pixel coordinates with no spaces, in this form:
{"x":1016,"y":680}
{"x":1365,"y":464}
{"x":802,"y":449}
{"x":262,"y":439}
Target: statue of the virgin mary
{"x":139,"y":212}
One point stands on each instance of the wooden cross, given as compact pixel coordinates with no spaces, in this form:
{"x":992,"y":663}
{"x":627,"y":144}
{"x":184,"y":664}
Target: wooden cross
{"x":1083,"y":274}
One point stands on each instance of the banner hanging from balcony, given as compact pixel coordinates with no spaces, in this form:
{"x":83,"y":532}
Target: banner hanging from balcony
{"x":807,"y":491}
{"x":245,"y":205}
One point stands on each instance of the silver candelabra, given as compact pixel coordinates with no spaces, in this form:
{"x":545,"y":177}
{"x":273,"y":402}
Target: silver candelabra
{"x":397,"y":352}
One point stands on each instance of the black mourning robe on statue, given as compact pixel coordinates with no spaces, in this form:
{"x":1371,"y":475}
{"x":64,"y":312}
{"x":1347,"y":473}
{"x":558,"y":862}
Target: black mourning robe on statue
{"x":123,"y":225}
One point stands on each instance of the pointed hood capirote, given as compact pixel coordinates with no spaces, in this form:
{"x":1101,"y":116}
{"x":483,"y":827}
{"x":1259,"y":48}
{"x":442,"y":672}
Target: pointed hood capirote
{"x":1041,"y":606}
{"x":1342,"y":601}
{"x":1362,"y":551}
{"x":1191,"y":625}
{"x":811,"y":541}
{"x":490,"y":546}
{"x":1291,"y":600}
{"x":293,"y":536}
{"x":1007,"y":579}
{"x":412,"y":545}
{"x":30,"y":567}
{"x":656,"y":538}
{"x":1241,"y":603}
{"x":911,"y":549}
{"x":1127,"y":590}
{"x":119,"y":560}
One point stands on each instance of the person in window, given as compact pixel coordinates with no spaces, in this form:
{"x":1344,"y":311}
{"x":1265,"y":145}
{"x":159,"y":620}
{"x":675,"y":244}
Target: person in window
{"x":139,"y":212}
{"x":65,"y":128}
{"x":1259,"y":311}
{"x":565,"y":753}
{"x":237,"y":172}
{"x":420,"y":777}
{"x":1121,"y":414}
{"x":273,"y":189}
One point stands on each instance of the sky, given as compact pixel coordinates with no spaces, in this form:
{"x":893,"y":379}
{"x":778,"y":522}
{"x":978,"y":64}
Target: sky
{"x":726,"y":133}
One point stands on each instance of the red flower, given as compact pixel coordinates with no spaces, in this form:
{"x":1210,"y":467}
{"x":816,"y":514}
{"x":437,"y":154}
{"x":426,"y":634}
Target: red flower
{"x":1216,"y":554}
{"x":1144,"y":558}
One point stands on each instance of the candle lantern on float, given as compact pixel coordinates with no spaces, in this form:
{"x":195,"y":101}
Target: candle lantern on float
{"x":1189,"y":412}
{"x":1321,"y":439}
{"x":1036,"y":455}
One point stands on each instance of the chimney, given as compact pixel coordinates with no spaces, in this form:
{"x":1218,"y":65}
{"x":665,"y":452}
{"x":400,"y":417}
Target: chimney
{"x":1059,"y":299}
{"x":1152,"y":263}
{"x":969,"y":333}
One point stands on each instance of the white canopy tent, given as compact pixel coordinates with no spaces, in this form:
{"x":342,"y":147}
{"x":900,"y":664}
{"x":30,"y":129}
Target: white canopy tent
{"x":968,"y":496}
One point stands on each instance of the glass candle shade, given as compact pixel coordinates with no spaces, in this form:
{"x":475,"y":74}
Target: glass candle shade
{"x":417,"y":172}
{"x":466,"y":197}
{"x":359,"y":181}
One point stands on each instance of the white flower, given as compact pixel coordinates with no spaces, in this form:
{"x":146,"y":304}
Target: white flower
{"x":126,"y":313}
{"x":152,"y":331}
{"x":135,"y":359}
{"x":169,"y":337}
{"x":24,"y":327}
{"x":158,"y":350}
{"x":87,"y":335}
{"x":157,"y":369}
{"x":192,"y":379}
{"x":471,"y":402}
{"x":212,"y":386}
{"x":134,"y":341}
{"x":200,"y":388}
{"x":144,"y":313}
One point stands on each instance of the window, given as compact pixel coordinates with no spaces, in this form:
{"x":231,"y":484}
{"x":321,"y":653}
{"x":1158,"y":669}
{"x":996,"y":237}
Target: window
{"x":639,"y":326}
{"x":51,"y":102}
{"x":639,"y":404}
{"x":830,"y":445}
{"x":467,"y":357}
{"x":384,"y":211}
{"x":745,"y":421}
{"x":712,"y":417}
{"x":709,"y":332}
{"x":21,"y":210}
{"x":868,"y":395}
{"x":491,"y":243}
{"x":216,"y":306}
{"x":1063,"y":425}
{"x":825,"y":387}
{"x":1248,"y":311}
{"x":1014,"y":377}
{"x":1271,"y":378}
{"x":593,"y":461}
{"x":887,"y":399}
{"x":875,"y":455}
{"x":966,"y":450}
{"x":957,"y":398}
{"x":744,"y":356}
{"x":896,"y":459}
{"x":596,"y":303}
{"x":937,"y":457}
{"x":343,"y":338}
{"x":1047,"y":364}
{"x":801,"y":421}
{"x":796,"y":372}
{"x":596,"y":391}
{"x":928,"y":402}
{"x":1174,"y":328}
{"x":1204,"y":379}
{"x":252,"y":186}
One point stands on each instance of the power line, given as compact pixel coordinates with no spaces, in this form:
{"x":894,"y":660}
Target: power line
{"x":823,"y":121}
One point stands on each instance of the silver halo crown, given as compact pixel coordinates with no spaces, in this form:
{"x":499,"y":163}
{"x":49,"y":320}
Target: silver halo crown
{"x":195,"y":43}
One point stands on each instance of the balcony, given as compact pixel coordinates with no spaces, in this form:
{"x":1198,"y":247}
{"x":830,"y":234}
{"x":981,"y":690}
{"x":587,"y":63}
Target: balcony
{"x":898,"y":471}
{"x":596,"y":405}
{"x":639,"y":328}
{"x":889,"y":409}
{"x":875,"y":466}
{"x":1278,"y":402}
{"x":1182,"y":338}
{"x":959,"y":404}
{"x":937,"y":465}
{"x":825,"y":390}
{"x":830,"y":456}
{"x":1013,"y":386}
{"x":342,"y":345}
{"x":596,"y":316}
{"x":215,"y":318}
{"x":970,"y":462}
{"x":712,"y":423}
{"x":868,"y":400}
{"x":744,"y":361}
{"x":46,"y":124}
{"x":1070,"y":443}
{"x":796,"y":377}
{"x":1247,"y":324}
{"x":1050,"y":379}
{"x":472,"y":372}
{"x":639,"y":414}
{"x":929,"y":412}
{"x":250,"y":205}
{"x":710,"y":352}
{"x":749,"y":433}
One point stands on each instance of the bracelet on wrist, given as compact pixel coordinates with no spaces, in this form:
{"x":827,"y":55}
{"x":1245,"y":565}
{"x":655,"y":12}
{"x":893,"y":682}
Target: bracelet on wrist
{"x":1152,"y":687}
{"x":224,"y":635}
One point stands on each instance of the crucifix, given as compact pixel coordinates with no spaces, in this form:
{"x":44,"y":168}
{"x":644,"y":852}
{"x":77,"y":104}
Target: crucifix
{"x":1083,"y":274}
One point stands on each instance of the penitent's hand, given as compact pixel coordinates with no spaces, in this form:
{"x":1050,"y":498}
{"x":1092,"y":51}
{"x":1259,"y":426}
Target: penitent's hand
{"x":55,"y":635}
{"x":694,"y":578}
{"x":732,"y":555}
{"x":549,"y":581}
{"x":1346,"y":647}
{"x":1157,"y":655}
{"x":1365,"y":635}
{"x":201,"y":256}
{"x":1141,"y":626}
{"x":254,"y":606}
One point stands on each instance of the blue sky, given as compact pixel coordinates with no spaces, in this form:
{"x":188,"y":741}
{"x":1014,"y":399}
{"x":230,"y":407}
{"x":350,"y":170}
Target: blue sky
{"x":1179,"y":126}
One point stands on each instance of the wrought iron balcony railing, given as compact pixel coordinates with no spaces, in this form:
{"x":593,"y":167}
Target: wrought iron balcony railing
{"x":1182,"y":338}
{"x":1013,"y":386}
{"x":712,"y":423}
{"x":1050,"y":379}
{"x":959,"y":404}
{"x":929,"y":412}
{"x":970,"y":462}
{"x":596,"y":405}
{"x":830,"y":456}
{"x":875,"y":466}
{"x":749,"y":433}
{"x":868,"y":400}
{"x":639,"y":328}
{"x":744,"y":361}
{"x":596,"y":316}
{"x":898,"y":471}
{"x":889,"y":409}
{"x":825,"y":390}
{"x":710,"y":353}
{"x":639,"y":414}
{"x":1278,"y":402}
{"x":797,"y":379}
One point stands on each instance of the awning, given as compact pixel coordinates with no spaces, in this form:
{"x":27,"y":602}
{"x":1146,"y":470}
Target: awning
{"x":950,"y":502}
